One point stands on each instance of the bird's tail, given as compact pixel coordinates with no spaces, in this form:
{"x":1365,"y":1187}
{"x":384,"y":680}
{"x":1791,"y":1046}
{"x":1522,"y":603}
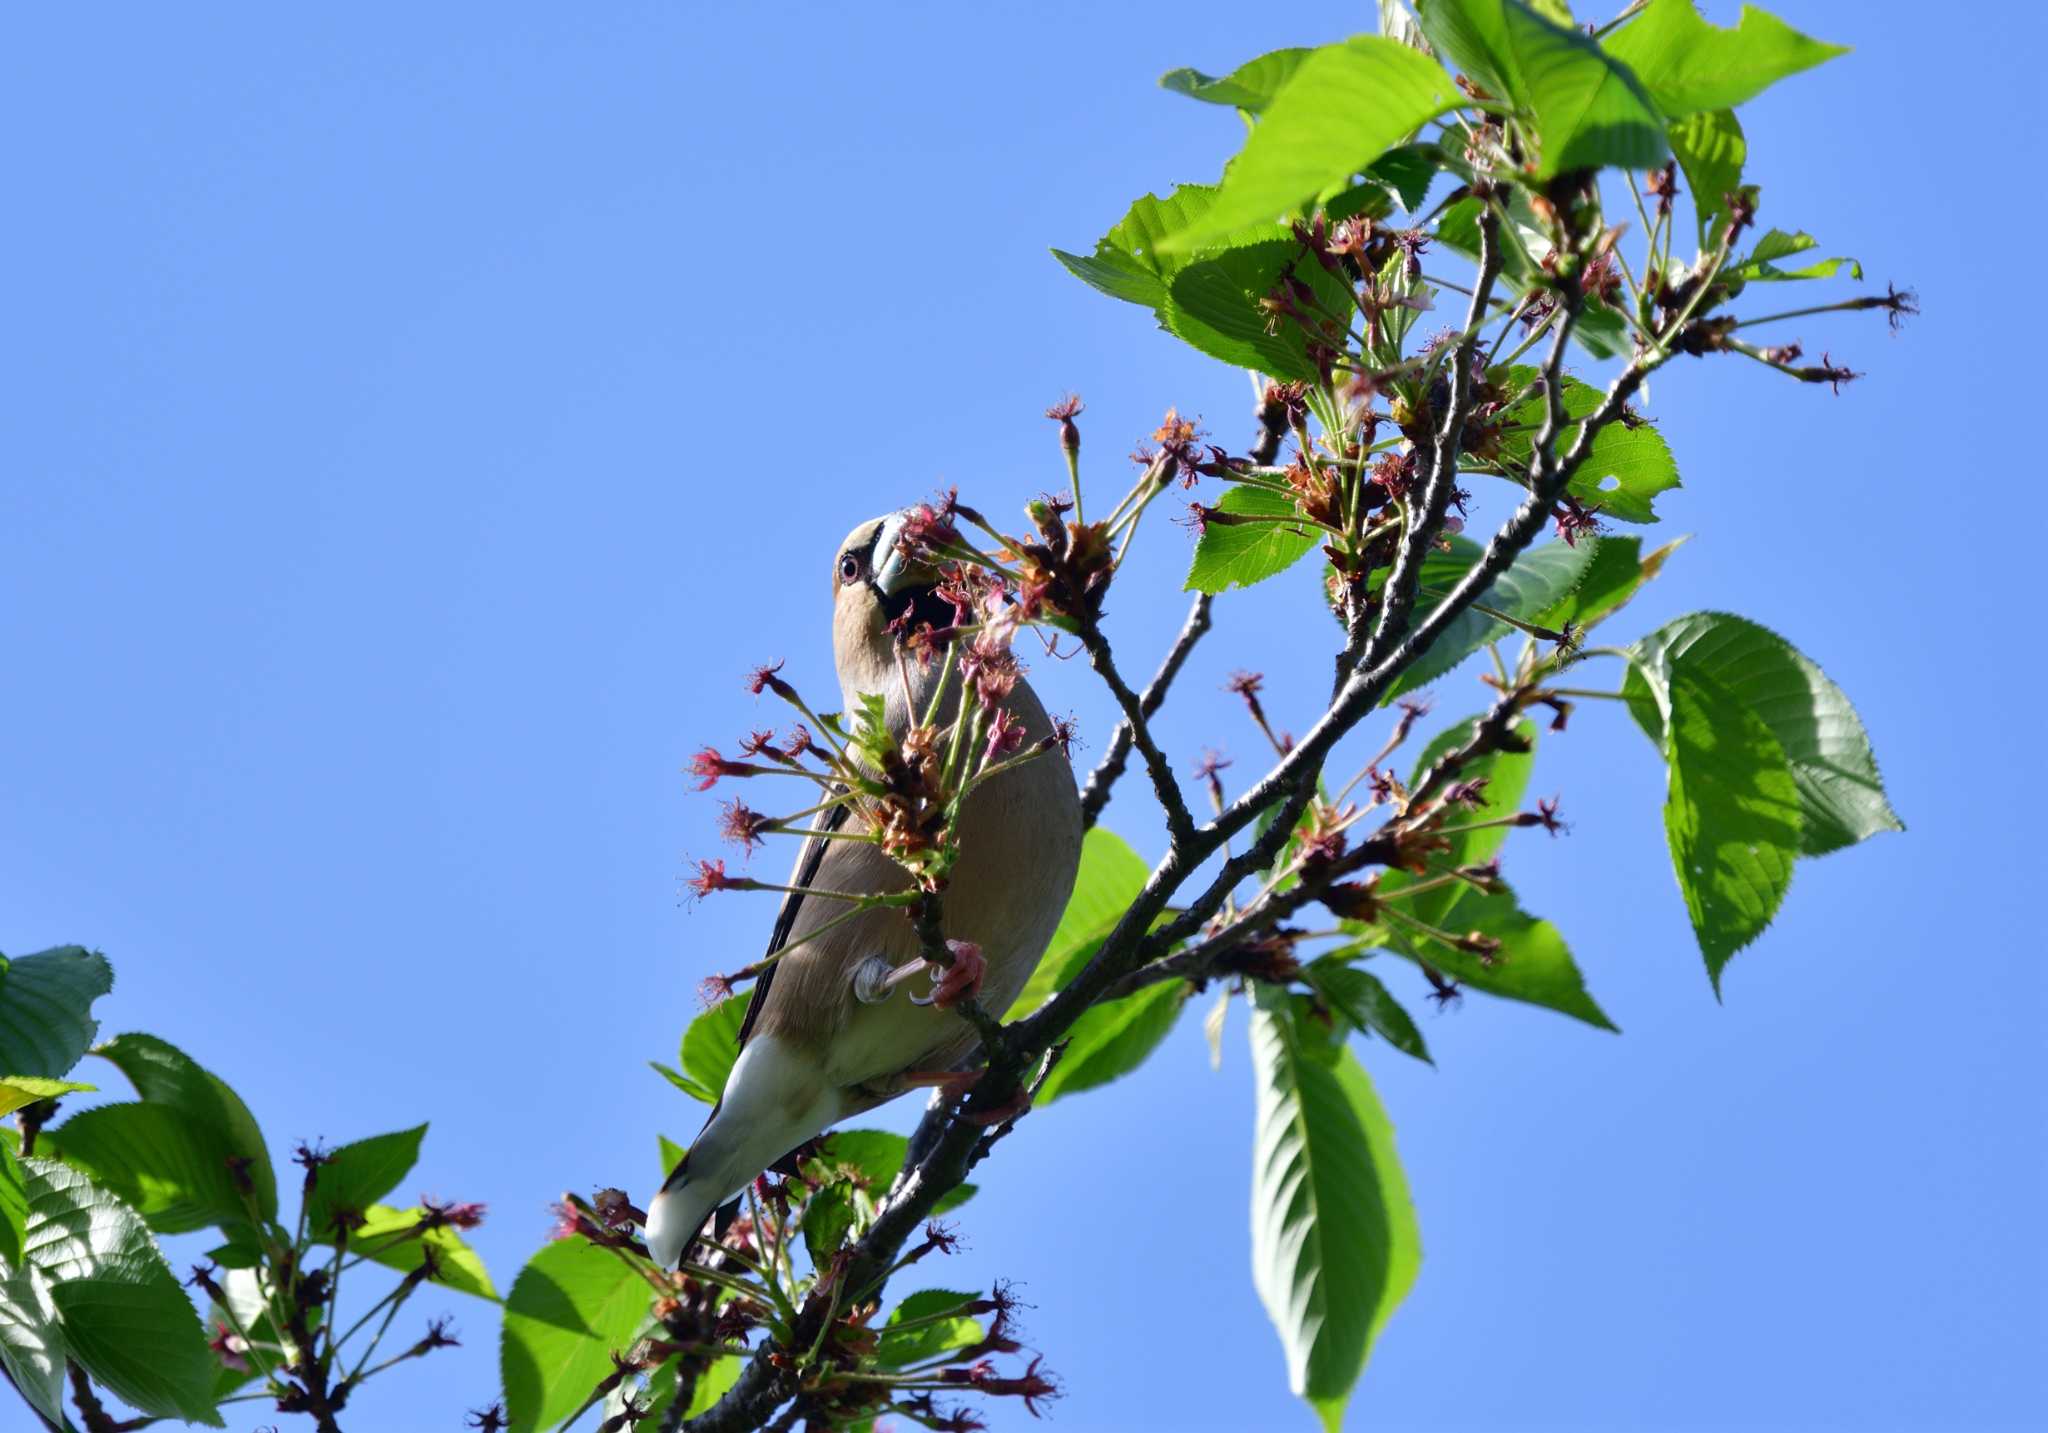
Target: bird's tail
{"x":773,"y":1102}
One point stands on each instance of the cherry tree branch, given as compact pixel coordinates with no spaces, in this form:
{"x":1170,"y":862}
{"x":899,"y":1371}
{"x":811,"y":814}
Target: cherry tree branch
{"x":1096,"y":793}
{"x":948,"y":1141}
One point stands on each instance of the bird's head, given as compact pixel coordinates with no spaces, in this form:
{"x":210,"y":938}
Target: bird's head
{"x":873,"y":584}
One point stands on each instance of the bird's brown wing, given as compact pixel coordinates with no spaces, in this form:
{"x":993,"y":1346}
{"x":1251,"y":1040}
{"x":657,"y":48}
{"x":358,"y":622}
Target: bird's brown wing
{"x":807,"y":863}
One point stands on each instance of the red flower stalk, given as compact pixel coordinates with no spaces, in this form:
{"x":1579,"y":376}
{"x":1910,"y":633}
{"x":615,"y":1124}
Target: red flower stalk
{"x":991,"y":667}
{"x":711,"y":877}
{"x":568,"y":1222}
{"x":1005,"y":736}
{"x":710,"y":765}
{"x":1065,"y":731}
{"x":927,"y":530}
{"x":741,"y":824}
{"x":764,"y":676}
{"x":459,"y":1216}
{"x":231,"y":1346}
{"x":1574,"y":520}
{"x":1064,"y":413}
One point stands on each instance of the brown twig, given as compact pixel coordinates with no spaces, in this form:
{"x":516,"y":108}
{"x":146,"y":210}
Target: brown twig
{"x":1096,"y":793}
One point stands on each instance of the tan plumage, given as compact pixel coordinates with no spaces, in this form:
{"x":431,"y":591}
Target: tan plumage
{"x":812,"y":1053}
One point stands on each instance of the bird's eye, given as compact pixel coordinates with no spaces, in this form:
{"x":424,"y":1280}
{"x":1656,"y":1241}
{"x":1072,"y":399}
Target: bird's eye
{"x":849,"y":568}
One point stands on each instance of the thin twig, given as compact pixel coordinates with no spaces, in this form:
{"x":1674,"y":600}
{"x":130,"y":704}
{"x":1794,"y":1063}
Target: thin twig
{"x":1096,"y":793}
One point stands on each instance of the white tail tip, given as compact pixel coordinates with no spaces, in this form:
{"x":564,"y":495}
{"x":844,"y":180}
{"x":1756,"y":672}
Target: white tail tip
{"x":667,"y":1238}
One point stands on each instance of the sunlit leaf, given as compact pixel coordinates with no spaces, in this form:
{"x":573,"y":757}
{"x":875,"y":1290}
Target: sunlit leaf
{"x":19,"y":1090}
{"x":1112,"y":1039}
{"x":902,"y":1345}
{"x":125,"y":1318}
{"x":1533,"y":964}
{"x":1841,"y":795}
{"x":1335,"y":1246}
{"x":357,"y":1176}
{"x":1240,"y":554}
{"x":1250,"y":86}
{"x":1541,"y":577}
{"x":1110,"y":877}
{"x":1711,"y":150}
{"x":1583,"y":109}
{"x":1687,"y":64}
{"x":32,"y":1348}
{"x":1215,"y":306}
{"x":1343,"y":107}
{"x":46,"y":1009}
{"x":1612,"y":579}
{"x":711,"y":1044}
{"x":569,"y":1309}
{"x":1359,"y":997}
{"x":1731,"y":813}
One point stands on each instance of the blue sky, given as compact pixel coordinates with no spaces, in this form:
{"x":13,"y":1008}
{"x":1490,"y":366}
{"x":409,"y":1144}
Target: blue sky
{"x":418,"y":419}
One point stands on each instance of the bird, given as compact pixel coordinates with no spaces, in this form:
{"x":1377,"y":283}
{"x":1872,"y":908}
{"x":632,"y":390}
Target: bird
{"x":831,"y":1028}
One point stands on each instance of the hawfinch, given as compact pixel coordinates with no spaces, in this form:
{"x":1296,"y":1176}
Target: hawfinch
{"x":828,"y":1033}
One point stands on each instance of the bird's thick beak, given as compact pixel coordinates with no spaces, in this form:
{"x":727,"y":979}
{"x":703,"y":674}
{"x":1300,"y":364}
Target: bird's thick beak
{"x":892,"y":573}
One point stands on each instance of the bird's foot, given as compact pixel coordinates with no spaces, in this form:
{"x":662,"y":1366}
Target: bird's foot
{"x":1015,"y":1107}
{"x":954,"y":1084}
{"x":960,"y":980}
{"x":874,"y":979}
{"x":958,"y":1084}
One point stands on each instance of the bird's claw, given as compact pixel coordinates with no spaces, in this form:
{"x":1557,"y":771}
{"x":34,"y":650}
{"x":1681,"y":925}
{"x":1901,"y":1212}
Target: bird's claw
{"x":959,"y":981}
{"x":874,"y":979}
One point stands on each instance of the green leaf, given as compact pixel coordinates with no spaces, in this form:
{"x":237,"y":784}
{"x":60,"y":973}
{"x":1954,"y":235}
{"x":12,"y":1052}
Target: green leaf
{"x":1612,"y":579}
{"x":1110,"y":877}
{"x":1335,"y":1246}
{"x":1757,"y":267}
{"x":1127,"y":263}
{"x":900,"y":1346}
{"x":1241,"y":554}
{"x":875,"y":1155}
{"x":384,"y":1238}
{"x":1841,"y":796}
{"x":1541,"y":577}
{"x":1344,"y":106}
{"x":570,"y":1307}
{"x":125,"y":1318}
{"x":712,"y":1044}
{"x":1408,"y":171}
{"x":1688,"y":65}
{"x":1111,"y":1040}
{"x":46,"y":1009}
{"x":31,"y":1337}
{"x":1534,"y":965}
{"x":165,"y":1076}
{"x":356,"y":1176}
{"x":1359,"y":997}
{"x":172,"y":1171}
{"x":1731,"y":814}
{"x":683,"y":1082}
{"x":1584,"y":109}
{"x":1251,"y":86}
{"x":1506,"y":777}
{"x":1214,"y":305}
{"x":671,"y":1153}
{"x":19,"y":1090}
{"x":1625,"y":467}
{"x":1711,"y":150}
{"x":13,"y":1205}
{"x":829,"y":1217}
